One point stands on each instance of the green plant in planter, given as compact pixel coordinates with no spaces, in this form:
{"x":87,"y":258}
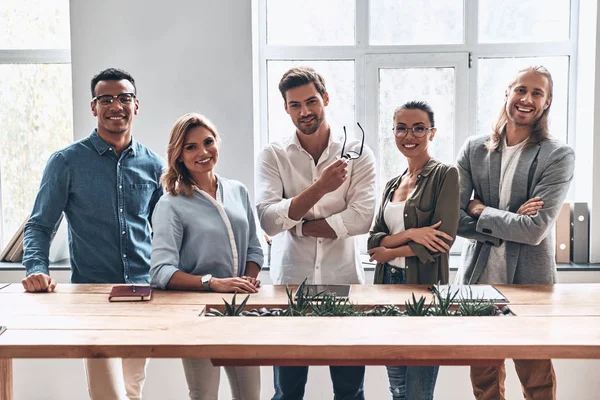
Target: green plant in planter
{"x":301,"y":306}
{"x":231,"y":310}
{"x":477,"y":308}
{"x":416,"y":308}
{"x":441,"y":303}
{"x":388,"y":310}
{"x":329,"y":305}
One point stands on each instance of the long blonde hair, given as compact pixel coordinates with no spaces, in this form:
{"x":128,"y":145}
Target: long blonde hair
{"x":539,"y":130}
{"x":176,"y":179}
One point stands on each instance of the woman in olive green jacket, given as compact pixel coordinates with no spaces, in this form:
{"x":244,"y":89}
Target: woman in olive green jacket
{"x":415,"y":228}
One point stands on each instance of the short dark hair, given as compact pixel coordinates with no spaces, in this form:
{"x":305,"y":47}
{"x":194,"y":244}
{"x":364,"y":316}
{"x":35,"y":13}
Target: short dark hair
{"x":417,"y":105}
{"x":300,"y":76}
{"x":112,"y":74}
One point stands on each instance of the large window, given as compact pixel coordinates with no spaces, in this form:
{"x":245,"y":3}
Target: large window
{"x":35,"y":100}
{"x":377,"y":54}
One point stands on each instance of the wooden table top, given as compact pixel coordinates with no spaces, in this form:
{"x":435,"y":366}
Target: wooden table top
{"x":553,"y":321}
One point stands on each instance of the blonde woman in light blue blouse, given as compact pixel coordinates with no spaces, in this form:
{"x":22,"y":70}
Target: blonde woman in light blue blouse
{"x":205,"y":239}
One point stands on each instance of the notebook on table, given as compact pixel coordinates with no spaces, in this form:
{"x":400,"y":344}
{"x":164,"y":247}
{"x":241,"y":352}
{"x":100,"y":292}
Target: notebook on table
{"x":473,"y":292}
{"x":130,"y":293}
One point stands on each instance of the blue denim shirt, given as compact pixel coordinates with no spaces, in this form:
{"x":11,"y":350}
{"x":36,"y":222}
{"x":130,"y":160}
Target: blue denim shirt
{"x":107,"y":200}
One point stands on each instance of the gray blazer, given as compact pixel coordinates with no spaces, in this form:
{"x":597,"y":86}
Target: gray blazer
{"x":545,"y":170}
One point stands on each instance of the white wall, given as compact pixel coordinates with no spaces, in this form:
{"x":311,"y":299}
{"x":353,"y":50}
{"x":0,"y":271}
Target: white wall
{"x":185,"y":55}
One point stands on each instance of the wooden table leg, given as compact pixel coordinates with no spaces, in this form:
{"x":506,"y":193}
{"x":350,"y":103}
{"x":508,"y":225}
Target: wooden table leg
{"x":6,"y":379}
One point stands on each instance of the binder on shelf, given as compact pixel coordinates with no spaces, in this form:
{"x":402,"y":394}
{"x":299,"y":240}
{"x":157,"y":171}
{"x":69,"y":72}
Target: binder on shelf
{"x":563,"y":235}
{"x":580,"y":233}
{"x":13,"y":242}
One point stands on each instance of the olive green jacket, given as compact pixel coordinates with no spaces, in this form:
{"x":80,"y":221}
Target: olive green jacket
{"x":434,"y":199}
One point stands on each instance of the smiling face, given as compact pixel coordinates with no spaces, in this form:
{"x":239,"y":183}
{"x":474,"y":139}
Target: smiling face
{"x":527,"y":98}
{"x":306,"y":107}
{"x":409,"y":145}
{"x":200,"y":152}
{"x":114,"y":118}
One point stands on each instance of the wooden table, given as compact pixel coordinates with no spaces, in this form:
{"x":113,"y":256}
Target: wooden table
{"x":77,"y":321}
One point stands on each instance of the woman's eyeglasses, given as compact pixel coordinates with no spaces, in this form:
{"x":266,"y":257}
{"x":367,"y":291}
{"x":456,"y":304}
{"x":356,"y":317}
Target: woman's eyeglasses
{"x":351,"y":154}
{"x":418,"y":131}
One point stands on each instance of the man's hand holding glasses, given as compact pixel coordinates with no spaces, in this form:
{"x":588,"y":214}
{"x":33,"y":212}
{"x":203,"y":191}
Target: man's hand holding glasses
{"x":333,"y":176}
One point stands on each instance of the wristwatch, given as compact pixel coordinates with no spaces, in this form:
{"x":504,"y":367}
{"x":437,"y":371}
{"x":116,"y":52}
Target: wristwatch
{"x":206,"y":282}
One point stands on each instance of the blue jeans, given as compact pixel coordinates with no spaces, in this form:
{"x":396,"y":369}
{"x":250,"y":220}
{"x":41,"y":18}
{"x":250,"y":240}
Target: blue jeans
{"x":408,"y":383}
{"x":412,"y":383}
{"x":347,"y":382}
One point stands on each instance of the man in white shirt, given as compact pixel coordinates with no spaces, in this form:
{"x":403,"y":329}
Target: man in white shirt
{"x":317,"y":202}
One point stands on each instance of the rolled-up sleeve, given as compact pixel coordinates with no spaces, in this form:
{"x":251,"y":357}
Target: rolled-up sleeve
{"x":271,"y":207}
{"x":50,"y":202}
{"x":357,"y":218}
{"x":166,"y":242}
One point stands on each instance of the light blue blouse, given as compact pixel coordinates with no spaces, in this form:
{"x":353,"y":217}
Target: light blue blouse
{"x":199,"y":235}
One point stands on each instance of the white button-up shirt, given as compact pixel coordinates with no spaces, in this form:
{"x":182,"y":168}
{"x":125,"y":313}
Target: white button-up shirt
{"x":286,"y":169}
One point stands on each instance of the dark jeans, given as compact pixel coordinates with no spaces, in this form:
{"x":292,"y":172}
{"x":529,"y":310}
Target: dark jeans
{"x":347,"y":382}
{"x":408,"y":383}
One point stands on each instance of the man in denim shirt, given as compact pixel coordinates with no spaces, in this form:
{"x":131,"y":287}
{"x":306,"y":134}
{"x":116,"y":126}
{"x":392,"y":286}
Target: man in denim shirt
{"x":107,"y":185}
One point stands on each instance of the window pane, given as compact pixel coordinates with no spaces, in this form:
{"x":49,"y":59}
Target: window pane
{"x":310,"y":23}
{"x":413,"y":22}
{"x":495,"y":74}
{"x":34,"y":24}
{"x":519,"y":21}
{"x":339,"y":80}
{"x":399,"y":85}
{"x":36,"y":110}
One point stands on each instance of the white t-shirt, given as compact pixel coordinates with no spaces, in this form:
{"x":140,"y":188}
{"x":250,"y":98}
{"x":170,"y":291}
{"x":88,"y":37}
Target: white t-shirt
{"x":495,"y":271}
{"x":393,"y":215}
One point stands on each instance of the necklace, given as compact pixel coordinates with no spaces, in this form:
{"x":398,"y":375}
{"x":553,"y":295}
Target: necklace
{"x":418,"y":170}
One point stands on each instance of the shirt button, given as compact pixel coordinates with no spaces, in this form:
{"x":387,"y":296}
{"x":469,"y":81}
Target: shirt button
{"x":122,"y":233}
{"x":320,"y":241}
{"x":124,"y":255}
{"x":120,"y":210}
{"x":120,"y":186}
{"x":126,"y":276}
{"x":118,"y":164}
{"x":406,"y":215}
{"x":110,"y":148}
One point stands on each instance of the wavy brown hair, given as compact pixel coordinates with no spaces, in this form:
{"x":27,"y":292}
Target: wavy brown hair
{"x":176,"y":179}
{"x":540,"y":130}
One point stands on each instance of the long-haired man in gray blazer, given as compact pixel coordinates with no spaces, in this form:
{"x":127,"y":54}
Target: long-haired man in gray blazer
{"x":512,"y":185}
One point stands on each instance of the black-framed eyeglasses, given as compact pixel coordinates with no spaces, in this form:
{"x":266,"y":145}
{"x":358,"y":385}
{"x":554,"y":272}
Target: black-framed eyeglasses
{"x":418,"y":131}
{"x":107,"y":99}
{"x":351,"y":154}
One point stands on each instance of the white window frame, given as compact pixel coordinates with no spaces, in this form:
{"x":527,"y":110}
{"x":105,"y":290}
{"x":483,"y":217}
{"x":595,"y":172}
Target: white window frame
{"x":365,"y":56}
{"x":29,"y":56}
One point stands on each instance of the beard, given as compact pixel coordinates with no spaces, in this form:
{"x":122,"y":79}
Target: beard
{"x":531,"y":121}
{"x":312,"y":128}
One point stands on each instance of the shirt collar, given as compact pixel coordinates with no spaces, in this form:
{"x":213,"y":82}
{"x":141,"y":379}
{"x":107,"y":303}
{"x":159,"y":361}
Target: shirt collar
{"x":431,"y":164}
{"x":333,"y":139}
{"x":101,"y":146}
